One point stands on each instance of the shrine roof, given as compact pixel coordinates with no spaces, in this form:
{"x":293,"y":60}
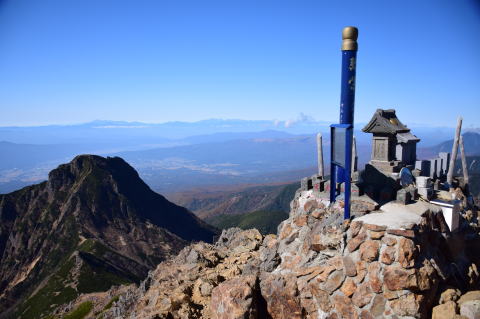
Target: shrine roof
{"x":385,"y":121}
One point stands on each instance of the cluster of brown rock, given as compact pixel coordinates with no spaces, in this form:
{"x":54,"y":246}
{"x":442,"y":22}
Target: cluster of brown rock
{"x":457,"y":306}
{"x":318,"y":266}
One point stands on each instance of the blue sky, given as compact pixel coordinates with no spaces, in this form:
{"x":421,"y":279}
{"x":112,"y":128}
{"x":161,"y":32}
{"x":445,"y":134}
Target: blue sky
{"x":156,"y":61}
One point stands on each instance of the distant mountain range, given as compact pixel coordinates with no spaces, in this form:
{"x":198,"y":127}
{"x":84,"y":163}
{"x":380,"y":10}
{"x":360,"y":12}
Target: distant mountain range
{"x":92,"y":225}
{"x":178,"y":156}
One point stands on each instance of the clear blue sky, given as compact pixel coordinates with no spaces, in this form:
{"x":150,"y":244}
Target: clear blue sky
{"x":155,"y":61}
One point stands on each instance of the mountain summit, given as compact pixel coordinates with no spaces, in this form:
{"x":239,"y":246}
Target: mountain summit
{"x":92,"y":225}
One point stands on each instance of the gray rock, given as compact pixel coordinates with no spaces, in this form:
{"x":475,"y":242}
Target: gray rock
{"x":470,"y":309}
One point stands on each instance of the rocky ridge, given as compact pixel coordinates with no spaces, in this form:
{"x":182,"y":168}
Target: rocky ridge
{"x":92,"y":225}
{"x":317,"y":266}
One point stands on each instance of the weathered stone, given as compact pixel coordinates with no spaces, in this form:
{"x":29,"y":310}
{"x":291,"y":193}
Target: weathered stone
{"x":375,"y":227}
{"x":447,"y":310}
{"x":334,"y":281}
{"x":470,"y":309}
{"x":426,"y":276}
{"x":369,"y":250}
{"x":362,"y":295}
{"x":401,"y":232}
{"x":233,"y":298}
{"x":281,"y":296}
{"x":378,"y":306}
{"x":389,"y":241}
{"x":374,"y":276}
{"x":356,"y":241}
{"x":285,"y":231}
{"x":406,"y":252}
{"x":326,"y":271}
{"x":388,"y":255}
{"x":361,"y":270}
{"x":343,"y":305}
{"x":317,"y":213}
{"x":355,"y":227}
{"x":405,"y":306}
{"x":376,"y":234}
{"x":321,"y":297}
{"x":366,"y":315}
{"x":348,"y":287}
{"x":328,"y":239}
{"x":310,"y":205}
{"x":396,"y":278}
{"x":301,"y":220}
{"x":450,"y":294}
{"x":349,"y":266}
{"x":471,"y":295}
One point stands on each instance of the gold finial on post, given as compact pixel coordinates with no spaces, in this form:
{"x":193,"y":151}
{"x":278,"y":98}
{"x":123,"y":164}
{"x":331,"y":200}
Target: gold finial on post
{"x":349,"y":36}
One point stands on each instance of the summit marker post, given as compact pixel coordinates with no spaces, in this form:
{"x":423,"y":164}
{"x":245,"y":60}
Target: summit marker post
{"x":342,"y":134}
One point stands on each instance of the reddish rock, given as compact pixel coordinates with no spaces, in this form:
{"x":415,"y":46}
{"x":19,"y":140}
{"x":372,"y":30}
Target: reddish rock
{"x":281,"y":296}
{"x":388,"y":255}
{"x":406,"y":252}
{"x":426,"y":276}
{"x":376,"y":234}
{"x":330,"y":238}
{"x":361,"y":270}
{"x":317,"y":213}
{"x":362,"y":295}
{"x":233,"y":298}
{"x":378,"y":306}
{"x":405,"y":306}
{"x":366,"y":315}
{"x":396,"y":278}
{"x":349,"y":266}
{"x":356,"y":241}
{"x":343,"y":305}
{"x":369,"y":250}
{"x":334,"y":281}
{"x":348,"y":287}
{"x":336,"y":262}
{"x":310,"y":205}
{"x":445,"y":311}
{"x":285,"y":231}
{"x":389,"y":241}
{"x":301,"y":220}
{"x":355,"y":227}
{"x":374,"y":277}
{"x":375,"y":227}
{"x":326,"y":271}
{"x":321,"y":296}
{"x":402,"y":232}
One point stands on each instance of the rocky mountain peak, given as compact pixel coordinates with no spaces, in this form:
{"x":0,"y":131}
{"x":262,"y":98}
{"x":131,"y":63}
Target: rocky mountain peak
{"x":93,"y":224}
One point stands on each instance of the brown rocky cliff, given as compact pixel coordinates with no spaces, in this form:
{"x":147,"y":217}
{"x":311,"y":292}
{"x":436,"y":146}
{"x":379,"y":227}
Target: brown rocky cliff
{"x":318,"y":266}
{"x":93,"y":219}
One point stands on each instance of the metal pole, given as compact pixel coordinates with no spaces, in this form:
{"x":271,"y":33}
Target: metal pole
{"x":347,"y":102}
{"x":320,"y":155}
{"x":451,"y":168}
{"x":464,"y":162}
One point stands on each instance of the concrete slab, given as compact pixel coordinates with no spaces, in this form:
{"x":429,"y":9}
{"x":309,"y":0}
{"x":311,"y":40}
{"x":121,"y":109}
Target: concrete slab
{"x":398,"y":216}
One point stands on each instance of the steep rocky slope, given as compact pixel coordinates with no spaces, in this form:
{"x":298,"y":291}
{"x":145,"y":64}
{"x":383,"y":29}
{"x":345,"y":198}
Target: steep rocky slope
{"x":93,"y":224}
{"x":317,"y":266}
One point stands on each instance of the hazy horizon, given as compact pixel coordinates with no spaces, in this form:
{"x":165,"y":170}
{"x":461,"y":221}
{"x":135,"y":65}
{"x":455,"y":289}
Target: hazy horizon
{"x":149,"y":61}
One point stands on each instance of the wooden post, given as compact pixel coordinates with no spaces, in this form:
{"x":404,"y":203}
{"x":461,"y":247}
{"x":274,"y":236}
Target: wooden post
{"x":320,"y":155}
{"x":464,"y":162}
{"x":451,"y":168}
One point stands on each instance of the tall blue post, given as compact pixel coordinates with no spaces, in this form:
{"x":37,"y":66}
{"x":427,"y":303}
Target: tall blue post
{"x":342,"y":173}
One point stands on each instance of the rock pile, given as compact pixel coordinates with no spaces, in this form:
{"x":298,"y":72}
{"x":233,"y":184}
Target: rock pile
{"x":318,"y":266}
